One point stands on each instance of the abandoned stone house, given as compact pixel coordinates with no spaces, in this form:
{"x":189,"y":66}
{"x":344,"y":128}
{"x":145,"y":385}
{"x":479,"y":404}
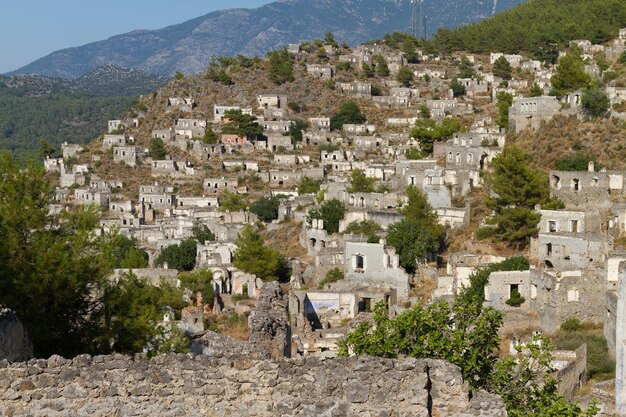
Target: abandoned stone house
{"x":355,"y":89}
{"x":184,"y":104}
{"x":375,"y":265}
{"x":588,"y":189}
{"x":157,"y":196}
{"x":321,"y":71}
{"x":233,"y":140}
{"x":116,"y":125}
{"x":92,"y":196}
{"x":514,"y":60}
{"x":218,"y":184}
{"x":164,"y":167}
{"x":122,"y":207}
{"x":70,"y":150}
{"x":164,"y":134}
{"x":441,"y":108}
{"x":531,"y":111}
{"x":369,"y":141}
{"x":53,"y":164}
{"x":110,"y":141}
{"x":276,"y":126}
{"x":360,"y":129}
{"x":219,"y":112}
{"x":277,"y":101}
{"x":197,"y":202}
{"x":319,"y":123}
{"x":278,"y":142}
{"x":127,"y":154}
{"x":474,"y":87}
{"x":391,"y":102}
{"x":190,"y":128}
{"x":293,"y":48}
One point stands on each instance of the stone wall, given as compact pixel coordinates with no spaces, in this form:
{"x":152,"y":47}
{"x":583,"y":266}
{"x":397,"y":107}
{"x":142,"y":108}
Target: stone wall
{"x":181,"y":385}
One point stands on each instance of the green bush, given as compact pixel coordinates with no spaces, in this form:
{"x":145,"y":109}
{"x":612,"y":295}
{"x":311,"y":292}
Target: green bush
{"x":516,"y":299}
{"x":333,"y":275}
{"x":571,"y":324}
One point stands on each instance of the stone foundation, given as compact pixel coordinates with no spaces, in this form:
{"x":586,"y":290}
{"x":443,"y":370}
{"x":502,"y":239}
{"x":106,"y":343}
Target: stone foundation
{"x":182,"y":385}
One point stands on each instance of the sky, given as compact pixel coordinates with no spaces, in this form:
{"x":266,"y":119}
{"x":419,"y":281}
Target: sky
{"x":31,"y":29}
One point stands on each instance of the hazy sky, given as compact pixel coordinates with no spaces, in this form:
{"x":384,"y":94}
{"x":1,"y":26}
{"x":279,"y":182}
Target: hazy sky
{"x":31,"y":29}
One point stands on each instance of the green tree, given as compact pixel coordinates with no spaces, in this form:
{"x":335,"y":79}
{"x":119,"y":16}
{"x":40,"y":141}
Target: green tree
{"x":570,"y":75}
{"x":368,"y":228}
{"x":502,"y":68}
{"x":428,"y":131}
{"x":382,"y":69}
{"x":308,"y":186}
{"x":266,"y":208}
{"x":505,"y":100}
{"x":125,"y":253}
{"x":333,"y":275}
{"x":46,"y":149}
{"x":201,"y":233}
{"x":332,"y":212}
{"x":210,"y":137}
{"x":466,"y":335}
{"x":418,"y":234}
{"x":280,"y":66}
{"x":349,"y":113}
{"x":515,"y":190}
{"x":329,"y":39}
{"x":199,"y":282}
{"x":578,"y":161}
{"x":458,"y":89}
{"x":244,"y":125}
{"x":466,"y":68}
{"x":414,"y":154}
{"x":230,"y":201}
{"x":157,"y":148}
{"x":50,"y":264}
{"x":368,"y":71}
{"x":133,"y":310}
{"x":181,"y":257}
{"x":254,"y":257}
{"x":295,"y":130}
{"x":179,"y":75}
{"x":595,"y":102}
{"x":360,"y":183}
{"x":536,"y":91}
{"x":405,"y":76}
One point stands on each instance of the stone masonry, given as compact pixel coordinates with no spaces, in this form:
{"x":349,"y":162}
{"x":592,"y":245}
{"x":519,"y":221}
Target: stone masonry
{"x":185,"y":385}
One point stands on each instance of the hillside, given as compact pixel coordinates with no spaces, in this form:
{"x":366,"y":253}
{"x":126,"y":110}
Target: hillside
{"x":35,"y":107}
{"x":188,"y":46}
{"x":538,"y":27}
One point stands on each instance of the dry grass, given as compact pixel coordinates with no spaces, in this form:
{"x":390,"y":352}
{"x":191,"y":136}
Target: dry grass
{"x":285,"y":239}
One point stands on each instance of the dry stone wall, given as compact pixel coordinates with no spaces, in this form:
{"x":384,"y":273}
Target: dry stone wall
{"x":15,"y":344}
{"x":186,"y":385}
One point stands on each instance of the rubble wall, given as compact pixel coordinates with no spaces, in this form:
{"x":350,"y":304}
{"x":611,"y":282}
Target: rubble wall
{"x":185,"y":385}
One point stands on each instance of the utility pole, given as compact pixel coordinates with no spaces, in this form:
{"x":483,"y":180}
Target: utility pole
{"x":414,"y":18}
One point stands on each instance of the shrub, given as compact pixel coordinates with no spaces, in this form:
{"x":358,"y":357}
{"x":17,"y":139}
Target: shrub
{"x":333,"y":275}
{"x":516,"y":299}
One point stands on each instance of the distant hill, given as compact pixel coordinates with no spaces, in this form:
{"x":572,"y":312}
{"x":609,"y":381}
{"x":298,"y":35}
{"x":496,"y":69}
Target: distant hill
{"x":36,"y":107}
{"x":188,"y":47}
{"x":538,"y":27}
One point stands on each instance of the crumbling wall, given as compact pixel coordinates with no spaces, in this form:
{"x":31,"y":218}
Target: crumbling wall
{"x":181,"y":385}
{"x":15,"y":344}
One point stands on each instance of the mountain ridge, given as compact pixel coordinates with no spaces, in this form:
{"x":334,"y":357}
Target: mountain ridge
{"x":189,"y":46}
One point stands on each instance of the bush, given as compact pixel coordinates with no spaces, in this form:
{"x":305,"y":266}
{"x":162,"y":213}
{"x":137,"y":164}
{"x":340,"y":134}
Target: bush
{"x":332,"y":212}
{"x":571,"y":324}
{"x":181,"y":257}
{"x":333,"y":275}
{"x":516,"y":299}
{"x":266,"y":208}
{"x":200,"y":281}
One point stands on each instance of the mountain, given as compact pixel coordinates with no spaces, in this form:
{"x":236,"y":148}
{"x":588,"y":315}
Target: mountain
{"x":188,"y":47}
{"x":104,"y":81}
{"x":37,"y":107}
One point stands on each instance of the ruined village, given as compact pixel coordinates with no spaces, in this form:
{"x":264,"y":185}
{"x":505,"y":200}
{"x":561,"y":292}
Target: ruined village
{"x":207,"y":176}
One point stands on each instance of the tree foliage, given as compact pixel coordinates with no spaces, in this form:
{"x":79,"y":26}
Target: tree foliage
{"x":308,"y":185}
{"x":332,"y":212}
{"x":280,"y":69}
{"x":157,"y":148}
{"x":199,"y":282}
{"x":578,"y":161}
{"x":569,"y":75}
{"x":405,"y":76}
{"x":418,"y":234}
{"x":254,"y":257}
{"x":125,"y":253}
{"x":230,"y":201}
{"x":458,"y":89}
{"x":475,"y":293}
{"x":428,"y":131}
{"x":367,"y":228}
{"x":538,"y":27}
{"x":595,"y":102}
{"x":349,"y":113}
{"x":502,"y":68}
{"x":266,"y":208}
{"x":181,"y":257}
{"x":244,"y":125}
{"x":201,"y":233}
{"x":360,"y":183}
{"x":515,"y":190}
{"x":505,"y":100}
